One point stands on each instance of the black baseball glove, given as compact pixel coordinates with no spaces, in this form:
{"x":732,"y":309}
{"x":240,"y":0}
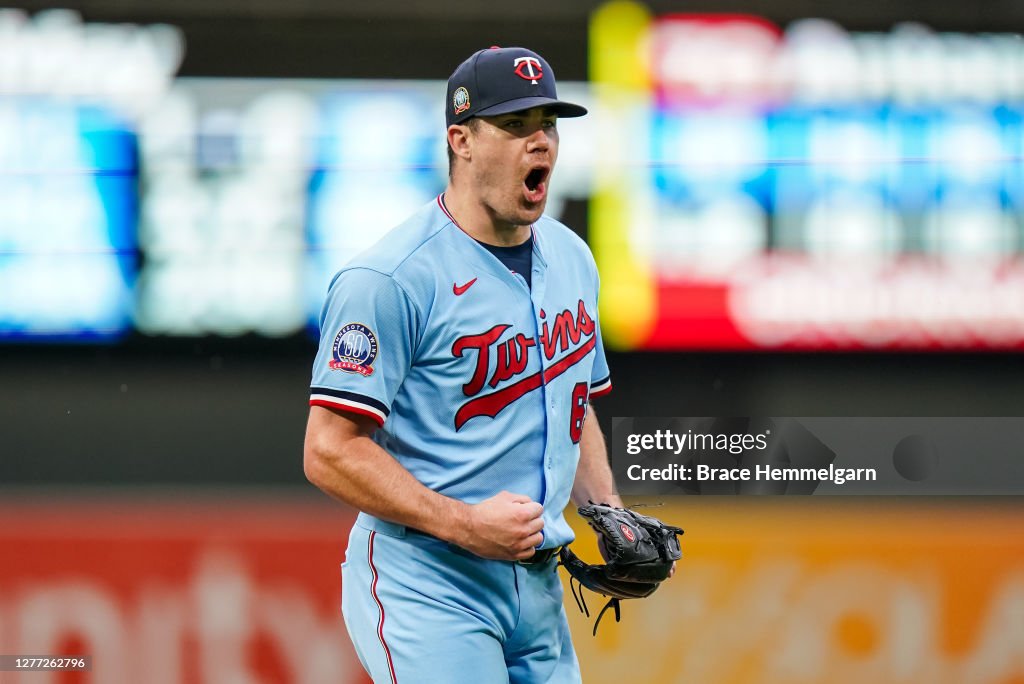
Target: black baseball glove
{"x":639,"y":551}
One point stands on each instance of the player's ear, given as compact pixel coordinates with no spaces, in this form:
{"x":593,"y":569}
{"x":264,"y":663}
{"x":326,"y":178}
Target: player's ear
{"x":459,"y":140}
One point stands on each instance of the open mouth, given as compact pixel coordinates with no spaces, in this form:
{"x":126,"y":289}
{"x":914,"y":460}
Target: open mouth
{"x":534,"y":181}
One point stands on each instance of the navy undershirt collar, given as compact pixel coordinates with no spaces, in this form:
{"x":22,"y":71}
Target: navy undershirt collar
{"x":518,"y":258}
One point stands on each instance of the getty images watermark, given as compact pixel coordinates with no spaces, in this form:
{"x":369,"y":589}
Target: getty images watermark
{"x":734,"y":444}
{"x":860,"y":456}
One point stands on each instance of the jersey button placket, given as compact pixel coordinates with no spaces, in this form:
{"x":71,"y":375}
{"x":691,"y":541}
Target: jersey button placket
{"x":549,"y":400}
{"x":537,"y":292}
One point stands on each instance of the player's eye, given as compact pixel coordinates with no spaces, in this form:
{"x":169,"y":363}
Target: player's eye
{"x":513,"y":123}
{"x":549,"y":123}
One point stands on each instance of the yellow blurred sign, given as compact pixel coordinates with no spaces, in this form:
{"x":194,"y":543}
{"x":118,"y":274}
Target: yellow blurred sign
{"x":823,"y":592}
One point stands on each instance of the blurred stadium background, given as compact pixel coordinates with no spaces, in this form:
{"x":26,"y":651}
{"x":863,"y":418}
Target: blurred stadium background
{"x":797,"y":209}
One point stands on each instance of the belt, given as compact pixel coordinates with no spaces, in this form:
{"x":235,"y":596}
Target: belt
{"x":395,"y":530}
{"x":540,"y":557}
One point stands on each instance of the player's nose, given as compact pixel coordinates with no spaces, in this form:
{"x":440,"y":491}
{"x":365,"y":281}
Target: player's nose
{"x":538,"y":141}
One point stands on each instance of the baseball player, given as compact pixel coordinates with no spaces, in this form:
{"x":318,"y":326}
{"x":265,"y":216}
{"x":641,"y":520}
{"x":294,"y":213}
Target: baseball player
{"x":449,"y":402}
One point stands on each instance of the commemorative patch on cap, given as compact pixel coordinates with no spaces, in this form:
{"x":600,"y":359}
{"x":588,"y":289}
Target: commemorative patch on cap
{"x":354,"y":349}
{"x":460,"y":100}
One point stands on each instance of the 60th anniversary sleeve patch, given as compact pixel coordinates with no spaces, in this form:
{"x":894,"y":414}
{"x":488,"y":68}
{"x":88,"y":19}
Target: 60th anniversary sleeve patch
{"x":354,"y":349}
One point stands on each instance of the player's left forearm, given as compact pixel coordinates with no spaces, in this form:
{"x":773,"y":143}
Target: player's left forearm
{"x":594,"y":480}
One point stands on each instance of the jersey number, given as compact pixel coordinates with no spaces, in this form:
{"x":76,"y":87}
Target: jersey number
{"x":580,"y":393}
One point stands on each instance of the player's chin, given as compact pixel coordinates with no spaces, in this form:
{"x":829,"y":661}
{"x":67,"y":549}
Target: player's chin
{"x":530,"y":212}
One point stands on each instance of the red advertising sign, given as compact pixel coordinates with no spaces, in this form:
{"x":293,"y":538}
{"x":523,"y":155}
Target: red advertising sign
{"x":237,"y":591}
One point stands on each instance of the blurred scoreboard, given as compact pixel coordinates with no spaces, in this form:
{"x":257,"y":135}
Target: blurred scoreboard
{"x":748,"y":187}
{"x":223,"y":210}
{"x":806,"y":188}
{"x":256,"y":192}
{"x":68,"y":210}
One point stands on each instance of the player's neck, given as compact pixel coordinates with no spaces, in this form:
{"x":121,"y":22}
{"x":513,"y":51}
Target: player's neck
{"x":480,"y":223}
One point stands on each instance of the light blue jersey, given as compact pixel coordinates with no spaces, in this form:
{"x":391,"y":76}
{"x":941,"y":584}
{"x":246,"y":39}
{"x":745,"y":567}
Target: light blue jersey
{"x":479,"y":382}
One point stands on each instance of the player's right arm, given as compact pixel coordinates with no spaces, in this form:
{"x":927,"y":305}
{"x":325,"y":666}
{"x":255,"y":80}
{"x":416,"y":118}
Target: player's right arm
{"x":370,"y":328}
{"x":342,"y":460}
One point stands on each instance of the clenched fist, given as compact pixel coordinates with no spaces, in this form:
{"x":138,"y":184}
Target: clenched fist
{"x":504,"y":527}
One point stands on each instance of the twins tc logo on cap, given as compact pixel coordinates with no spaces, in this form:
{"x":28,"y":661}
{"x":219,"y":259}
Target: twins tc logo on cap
{"x":355,"y":348}
{"x":460,"y":100}
{"x":529,"y":69}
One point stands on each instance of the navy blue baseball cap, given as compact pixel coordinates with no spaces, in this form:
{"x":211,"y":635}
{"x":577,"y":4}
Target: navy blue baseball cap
{"x":503,"y":80}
